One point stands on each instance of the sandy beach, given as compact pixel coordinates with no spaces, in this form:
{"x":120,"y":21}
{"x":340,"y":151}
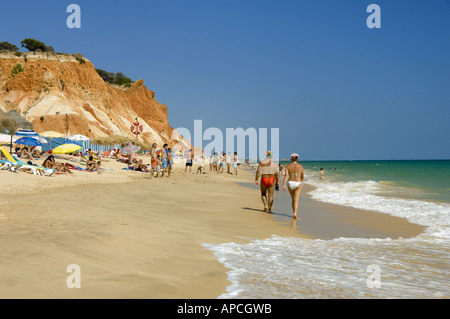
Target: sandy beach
{"x":136,"y":237}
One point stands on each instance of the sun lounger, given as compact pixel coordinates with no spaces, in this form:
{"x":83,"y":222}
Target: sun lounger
{"x":10,"y":166}
{"x":25,"y":166}
{"x":16,"y":165}
{"x":37,"y":170}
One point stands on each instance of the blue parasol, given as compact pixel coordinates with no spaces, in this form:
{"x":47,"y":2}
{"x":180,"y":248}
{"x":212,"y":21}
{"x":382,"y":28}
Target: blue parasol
{"x":30,"y":141}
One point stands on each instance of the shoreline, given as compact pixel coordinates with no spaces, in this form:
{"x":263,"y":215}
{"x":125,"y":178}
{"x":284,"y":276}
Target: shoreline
{"x":328,"y":221}
{"x":139,"y":238}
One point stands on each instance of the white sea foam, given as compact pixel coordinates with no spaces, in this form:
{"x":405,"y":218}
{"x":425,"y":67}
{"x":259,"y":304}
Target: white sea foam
{"x":366,"y":195}
{"x":280,"y":267}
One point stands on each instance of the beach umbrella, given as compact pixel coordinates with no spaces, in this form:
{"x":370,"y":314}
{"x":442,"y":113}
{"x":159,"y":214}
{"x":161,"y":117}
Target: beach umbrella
{"x":40,"y":139}
{"x":30,"y":133}
{"x":130,"y":149}
{"x":111,"y":140}
{"x":66,"y":148}
{"x":30,"y":141}
{"x":51,"y":134}
{"x":20,"y":120}
{"x":26,"y":133}
{"x":5,"y":139}
{"x":79,"y":137}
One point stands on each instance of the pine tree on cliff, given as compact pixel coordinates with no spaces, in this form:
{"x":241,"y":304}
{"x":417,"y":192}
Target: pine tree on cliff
{"x":118,"y":78}
{"x":35,"y":45}
{"x":8,"y":46}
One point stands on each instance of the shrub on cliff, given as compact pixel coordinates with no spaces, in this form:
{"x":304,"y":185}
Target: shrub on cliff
{"x":16,"y":70}
{"x":35,"y":45}
{"x":8,"y":46}
{"x":111,"y":78}
{"x":121,"y":79}
{"x":106,"y":76}
{"x":81,"y":60}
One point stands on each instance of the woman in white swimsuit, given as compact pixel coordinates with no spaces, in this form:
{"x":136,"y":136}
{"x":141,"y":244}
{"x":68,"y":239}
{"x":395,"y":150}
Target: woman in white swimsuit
{"x":294,"y":172}
{"x":235,"y":163}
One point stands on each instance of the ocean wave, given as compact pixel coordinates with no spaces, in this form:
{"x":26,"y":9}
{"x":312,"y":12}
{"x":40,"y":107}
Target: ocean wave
{"x":370,"y":195}
{"x":281,"y":267}
{"x":287,"y":268}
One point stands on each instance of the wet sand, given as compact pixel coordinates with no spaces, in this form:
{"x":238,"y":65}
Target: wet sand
{"x":328,"y":221}
{"x":135,"y":237}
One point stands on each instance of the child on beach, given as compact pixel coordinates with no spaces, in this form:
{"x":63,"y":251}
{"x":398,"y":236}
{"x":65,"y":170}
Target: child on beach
{"x":200,"y":169}
{"x":158,"y":165}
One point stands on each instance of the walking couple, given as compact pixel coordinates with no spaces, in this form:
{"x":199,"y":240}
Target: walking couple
{"x":269,"y":172}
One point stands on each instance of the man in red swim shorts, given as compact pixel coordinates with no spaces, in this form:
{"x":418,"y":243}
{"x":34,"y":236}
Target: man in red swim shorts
{"x":268,"y":170}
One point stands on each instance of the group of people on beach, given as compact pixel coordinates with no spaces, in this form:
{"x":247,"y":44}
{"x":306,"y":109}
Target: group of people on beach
{"x":218,"y":163}
{"x":87,"y":159}
{"x":160,"y":161}
{"x":31,"y":154}
{"x":25,"y":153}
{"x":270,"y":173}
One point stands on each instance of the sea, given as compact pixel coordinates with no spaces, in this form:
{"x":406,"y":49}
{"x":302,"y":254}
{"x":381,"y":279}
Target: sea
{"x":382,"y":268}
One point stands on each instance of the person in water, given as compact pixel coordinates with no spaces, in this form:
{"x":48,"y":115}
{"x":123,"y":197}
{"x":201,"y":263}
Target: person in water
{"x":294,"y":176}
{"x":268,"y":170}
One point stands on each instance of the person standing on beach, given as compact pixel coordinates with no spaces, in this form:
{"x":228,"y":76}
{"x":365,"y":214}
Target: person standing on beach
{"x":294,"y":176}
{"x":211,"y":163}
{"x":154,"y":158}
{"x":228,"y":159}
{"x":280,"y":170}
{"x":269,"y":178}
{"x":158,"y":165}
{"x":321,"y":173}
{"x":214,"y":161}
{"x":235,"y":163}
{"x":222,"y":161}
{"x":169,"y":161}
{"x":163,"y":159}
{"x":218,"y":163}
{"x":189,"y":161}
{"x":249,"y":165}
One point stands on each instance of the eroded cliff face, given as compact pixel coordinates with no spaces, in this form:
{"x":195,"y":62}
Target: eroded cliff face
{"x":57,"y":91}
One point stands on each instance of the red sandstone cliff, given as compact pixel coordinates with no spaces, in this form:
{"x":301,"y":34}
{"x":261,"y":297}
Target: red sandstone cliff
{"x":55,"y":89}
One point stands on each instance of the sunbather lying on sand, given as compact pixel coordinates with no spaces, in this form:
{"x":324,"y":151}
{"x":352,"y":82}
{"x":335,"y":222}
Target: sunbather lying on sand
{"x":35,"y":152}
{"x":140,"y":166}
{"x":59,"y":167}
{"x":91,"y":165}
{"x":25,"y":154}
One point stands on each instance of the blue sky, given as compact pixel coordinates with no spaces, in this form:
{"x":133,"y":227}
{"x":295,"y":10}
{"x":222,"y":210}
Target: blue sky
{"x":335,"y":88}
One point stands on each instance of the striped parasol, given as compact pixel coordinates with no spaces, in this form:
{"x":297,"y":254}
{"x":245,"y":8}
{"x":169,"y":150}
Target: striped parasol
{"x":130,"y":149}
